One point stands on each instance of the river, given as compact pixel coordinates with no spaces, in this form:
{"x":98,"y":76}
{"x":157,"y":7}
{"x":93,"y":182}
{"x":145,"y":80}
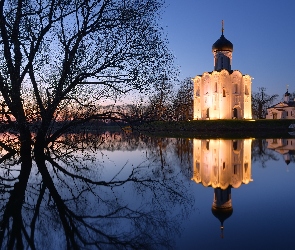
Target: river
{"x":130,"y":191}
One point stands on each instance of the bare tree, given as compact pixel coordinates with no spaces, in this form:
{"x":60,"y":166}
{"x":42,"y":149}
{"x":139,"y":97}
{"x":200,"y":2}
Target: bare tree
{"x":260,"y":102}
{"x":58,"y":55}
{"x":183,"y":101}
{"x":292,"y":96}
{"x":160,"y":102}
{"x":61,"y":54}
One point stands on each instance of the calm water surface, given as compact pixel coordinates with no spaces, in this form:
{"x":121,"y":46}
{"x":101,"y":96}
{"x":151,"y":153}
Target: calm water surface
{"x":259,"y":176}
{"x":262,"y":206}
{"x":120,"y":191}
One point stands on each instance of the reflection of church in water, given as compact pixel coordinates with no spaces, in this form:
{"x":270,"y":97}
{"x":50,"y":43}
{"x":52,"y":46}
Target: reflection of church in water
{"x":285,"y":147}
{"x":222,"y":164}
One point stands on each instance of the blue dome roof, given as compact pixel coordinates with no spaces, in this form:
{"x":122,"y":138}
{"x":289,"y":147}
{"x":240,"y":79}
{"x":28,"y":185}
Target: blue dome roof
{"x":222,"y":44}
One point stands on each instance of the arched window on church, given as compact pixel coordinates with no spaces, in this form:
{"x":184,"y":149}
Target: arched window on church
{"x":215,"y":171}
{"x":235,"y":88}
{"x":198,"y":167}
{"x":246,"y":167}
{"x":206,"y":88}
{"x":246,"y":90}
{"x":215,"y":86}
{"x":198,"y":91}
{"x":235,"y":168}
{"x":223,"y":92}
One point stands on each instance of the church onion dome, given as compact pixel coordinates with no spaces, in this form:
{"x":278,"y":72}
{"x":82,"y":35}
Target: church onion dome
{"x":287,"y":93}
{"x":222,"y":44}
{"x":222,"y":213}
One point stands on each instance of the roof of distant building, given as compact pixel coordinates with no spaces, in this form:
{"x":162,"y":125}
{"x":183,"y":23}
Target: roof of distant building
{"x":286,"y":105}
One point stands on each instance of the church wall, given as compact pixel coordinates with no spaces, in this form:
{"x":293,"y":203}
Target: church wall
{"x":247,"y":90}
{"x":225,"y":109}
{"x":206,"y":95}
{"x":220,"y":95}
{"x":236,"y":95}
{"x":197,"y":97}
{"x":215,"y":90}
{"x":281,"y":111}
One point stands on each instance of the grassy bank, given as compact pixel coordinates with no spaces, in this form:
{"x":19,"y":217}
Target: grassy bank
{"x":220,"y":128}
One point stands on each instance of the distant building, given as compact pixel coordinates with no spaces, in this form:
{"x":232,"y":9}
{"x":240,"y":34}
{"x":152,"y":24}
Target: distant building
{"x":223,"y":93}
{"x":282,"y":110}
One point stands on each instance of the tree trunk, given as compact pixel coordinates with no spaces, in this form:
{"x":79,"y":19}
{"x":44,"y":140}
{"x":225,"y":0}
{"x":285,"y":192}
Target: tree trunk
{"x":14,"y":206}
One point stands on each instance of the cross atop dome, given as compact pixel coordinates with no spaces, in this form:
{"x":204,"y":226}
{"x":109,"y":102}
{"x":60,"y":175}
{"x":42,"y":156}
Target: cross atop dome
{"x":222,"y":44}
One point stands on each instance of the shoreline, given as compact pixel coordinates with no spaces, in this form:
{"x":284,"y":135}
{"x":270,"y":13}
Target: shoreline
{"x":219,"y":128}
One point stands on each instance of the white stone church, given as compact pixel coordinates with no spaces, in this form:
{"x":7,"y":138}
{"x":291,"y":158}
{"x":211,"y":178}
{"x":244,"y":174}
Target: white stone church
{"x":223,"y":93}
{"x":282,"y":110}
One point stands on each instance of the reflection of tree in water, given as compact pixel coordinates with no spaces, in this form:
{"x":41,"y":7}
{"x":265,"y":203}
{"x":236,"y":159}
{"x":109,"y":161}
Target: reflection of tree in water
{"x":172,"y":152}
{"x":184,"y":151}
{"x":110,"y":141}
{"x":169,"y":150}
{"x":260,"y":152}
{"x":65,"y":200}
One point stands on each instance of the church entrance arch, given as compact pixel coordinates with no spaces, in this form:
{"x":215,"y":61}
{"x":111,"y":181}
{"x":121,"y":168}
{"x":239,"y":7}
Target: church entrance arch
{"x":236,"y":112}
{"x":207,"y":113}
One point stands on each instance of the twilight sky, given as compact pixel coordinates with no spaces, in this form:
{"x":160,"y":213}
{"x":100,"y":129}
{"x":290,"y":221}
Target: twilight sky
{"x":262,"y":32}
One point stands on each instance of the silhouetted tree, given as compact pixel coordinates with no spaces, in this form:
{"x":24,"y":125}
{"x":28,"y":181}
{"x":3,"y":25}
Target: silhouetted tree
{"x":183,"y":101}
{"x":59,"y":54}
{"x":59,"y":57}
{"x":292,"y":96}
{"x":260,"y":102}
{"x":158,"y":106}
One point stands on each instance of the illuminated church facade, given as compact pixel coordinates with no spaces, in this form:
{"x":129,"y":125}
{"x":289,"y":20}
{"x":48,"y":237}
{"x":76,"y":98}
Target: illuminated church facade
{"x":223,"y":93}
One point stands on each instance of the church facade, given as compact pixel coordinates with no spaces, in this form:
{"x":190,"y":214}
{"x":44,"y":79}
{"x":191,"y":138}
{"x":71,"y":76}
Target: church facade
{"x":282,"y":110}
{"x":223,"y":93}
